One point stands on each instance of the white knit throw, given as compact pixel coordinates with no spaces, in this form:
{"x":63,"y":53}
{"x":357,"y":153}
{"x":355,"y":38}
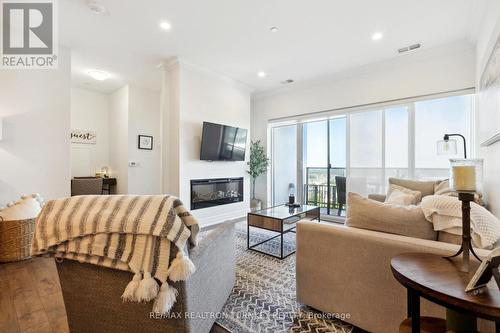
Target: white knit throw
{"x":445,"y":213}
{"x":131,"y":233}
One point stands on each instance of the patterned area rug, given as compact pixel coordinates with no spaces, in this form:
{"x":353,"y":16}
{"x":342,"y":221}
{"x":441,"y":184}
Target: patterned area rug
{"x":263,"y":299}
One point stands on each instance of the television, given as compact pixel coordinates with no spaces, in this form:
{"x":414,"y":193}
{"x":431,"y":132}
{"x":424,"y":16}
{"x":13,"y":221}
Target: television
{"x":222,"y":143}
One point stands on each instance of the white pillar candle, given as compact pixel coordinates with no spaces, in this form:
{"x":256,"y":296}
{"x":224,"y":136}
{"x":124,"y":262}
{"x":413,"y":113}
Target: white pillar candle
{"x":464,"y":178}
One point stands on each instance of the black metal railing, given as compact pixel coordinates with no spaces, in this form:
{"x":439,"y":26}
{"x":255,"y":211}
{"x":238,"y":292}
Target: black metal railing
{"x":318,"y":195}
{"x":316,"y":188}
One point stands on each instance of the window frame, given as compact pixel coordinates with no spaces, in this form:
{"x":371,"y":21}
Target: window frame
{"x":409,"y":103}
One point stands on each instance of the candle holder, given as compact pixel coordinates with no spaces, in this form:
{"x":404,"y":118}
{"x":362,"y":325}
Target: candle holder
{"x":466,"y":175}
{"x":466,"y":247}
{"x":466,"y":179}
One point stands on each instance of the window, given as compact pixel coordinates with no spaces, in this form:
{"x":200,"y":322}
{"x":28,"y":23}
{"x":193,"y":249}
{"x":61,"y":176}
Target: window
{"x":371,"y":145}
{"x":433,"y":119}
{"x":366,"y":168}
{"x":396,"y":143}
{"x":284,"y":162}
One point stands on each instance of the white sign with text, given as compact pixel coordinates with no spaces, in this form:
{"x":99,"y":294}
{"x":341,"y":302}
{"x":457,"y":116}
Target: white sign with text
{"x":83,"y":136}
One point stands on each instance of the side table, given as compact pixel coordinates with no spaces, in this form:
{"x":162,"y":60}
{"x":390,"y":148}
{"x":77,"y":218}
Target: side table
{"x":441,"y":281}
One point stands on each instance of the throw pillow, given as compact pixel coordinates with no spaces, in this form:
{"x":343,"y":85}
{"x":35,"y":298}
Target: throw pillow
{"x":443,"y":188}
{"x":399,"y":195}
{"x":369,"y":214}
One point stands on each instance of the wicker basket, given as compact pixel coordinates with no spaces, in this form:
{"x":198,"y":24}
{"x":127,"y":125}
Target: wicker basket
{"x":15,"y":239}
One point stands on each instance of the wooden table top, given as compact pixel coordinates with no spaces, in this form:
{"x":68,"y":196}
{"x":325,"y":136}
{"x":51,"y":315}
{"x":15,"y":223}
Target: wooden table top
{"x":441,"y":281}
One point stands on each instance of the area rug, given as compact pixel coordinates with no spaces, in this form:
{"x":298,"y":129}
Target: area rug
{"x":263,"y":299}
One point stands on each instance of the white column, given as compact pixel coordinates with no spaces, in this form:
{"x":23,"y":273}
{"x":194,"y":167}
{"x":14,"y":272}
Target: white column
{"x":170,"y":131}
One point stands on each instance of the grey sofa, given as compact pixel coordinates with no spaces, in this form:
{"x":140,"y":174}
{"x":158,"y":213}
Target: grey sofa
{"x":92,"y":293}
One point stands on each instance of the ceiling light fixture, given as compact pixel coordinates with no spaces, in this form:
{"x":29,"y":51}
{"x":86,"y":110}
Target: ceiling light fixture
{"x":377,"y":36}
{"x":274,"y":29}
{"x":165,"y":25}
{"x":98,"y":75}
{"x":261,"y":74}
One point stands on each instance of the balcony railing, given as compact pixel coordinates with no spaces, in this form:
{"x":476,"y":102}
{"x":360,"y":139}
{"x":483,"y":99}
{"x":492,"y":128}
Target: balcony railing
{"x":316,"y":189}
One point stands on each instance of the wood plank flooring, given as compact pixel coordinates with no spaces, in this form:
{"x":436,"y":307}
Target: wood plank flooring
{"x":31,"y":299}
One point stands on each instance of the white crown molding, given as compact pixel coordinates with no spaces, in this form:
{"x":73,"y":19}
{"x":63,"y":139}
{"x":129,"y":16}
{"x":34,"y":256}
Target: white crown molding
{"x":169,"y":64}
{"x":176,"y":62}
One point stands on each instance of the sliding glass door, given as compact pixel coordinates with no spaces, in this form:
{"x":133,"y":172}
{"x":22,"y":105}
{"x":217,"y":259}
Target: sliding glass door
{"x":324,"y":164}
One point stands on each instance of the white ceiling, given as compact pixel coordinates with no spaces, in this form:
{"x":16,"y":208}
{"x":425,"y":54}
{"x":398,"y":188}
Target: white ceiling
{"x":232,"y":37}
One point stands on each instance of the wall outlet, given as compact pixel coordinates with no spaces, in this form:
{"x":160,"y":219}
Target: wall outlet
{"x":133,"y":164}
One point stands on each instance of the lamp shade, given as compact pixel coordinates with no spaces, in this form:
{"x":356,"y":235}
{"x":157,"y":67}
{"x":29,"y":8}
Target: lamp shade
{"x":466,"y":175}
{"x":447,"y":147}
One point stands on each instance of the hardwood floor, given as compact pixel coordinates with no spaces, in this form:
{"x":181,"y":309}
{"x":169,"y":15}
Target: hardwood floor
{"x":31,"y":300}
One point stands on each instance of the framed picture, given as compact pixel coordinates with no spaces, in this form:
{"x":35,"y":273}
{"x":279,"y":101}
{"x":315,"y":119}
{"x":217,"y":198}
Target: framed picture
{"x":145,"y":142}
{"x":488,"y":268}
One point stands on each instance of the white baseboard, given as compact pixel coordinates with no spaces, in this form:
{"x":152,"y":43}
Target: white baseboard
{"x":235,"y":216}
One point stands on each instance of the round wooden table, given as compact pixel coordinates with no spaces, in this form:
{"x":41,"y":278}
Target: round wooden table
{"x":440,"y":281}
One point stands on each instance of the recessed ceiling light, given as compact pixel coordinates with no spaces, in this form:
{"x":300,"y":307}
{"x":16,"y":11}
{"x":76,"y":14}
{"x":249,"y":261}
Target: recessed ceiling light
{"x":261,"y":74}
{"x":377,"y":36}
{"x":98,"y":75}
{"x":165,"y":25}
{"x":274,"y":29}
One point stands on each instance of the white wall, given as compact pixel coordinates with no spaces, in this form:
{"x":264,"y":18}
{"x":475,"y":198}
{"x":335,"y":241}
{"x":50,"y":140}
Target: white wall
{"x":192,"y":95}
{"x":487,"y":36}
{"x":132,"y":111}
{"x":35,"y":150}
{"x":442,"y":69}
{"x":89,"y":111}
{"x":118,"y":138}
{"x":144,"y":118}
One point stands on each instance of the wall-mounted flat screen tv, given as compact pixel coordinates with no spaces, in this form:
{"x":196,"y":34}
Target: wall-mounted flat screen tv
{"x":223,"y":143}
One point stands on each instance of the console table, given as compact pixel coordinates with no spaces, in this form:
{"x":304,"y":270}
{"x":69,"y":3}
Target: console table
{"x":108,"y":184}
{"x":441,"y":281}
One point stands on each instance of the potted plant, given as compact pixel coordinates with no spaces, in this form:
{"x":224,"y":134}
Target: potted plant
{"x":258,"y":165}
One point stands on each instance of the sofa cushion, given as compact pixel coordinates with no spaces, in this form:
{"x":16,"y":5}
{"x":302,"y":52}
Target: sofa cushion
{"x":369,"y":214}
{"x":443,"y":188}
{"x":424,"y":187}
{"x":399,"y":195}
{"x":447,"y":237}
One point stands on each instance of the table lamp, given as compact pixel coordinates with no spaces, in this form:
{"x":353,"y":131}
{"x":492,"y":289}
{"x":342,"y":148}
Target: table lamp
{"x":448,"y":146}
{"x":466,"y":178}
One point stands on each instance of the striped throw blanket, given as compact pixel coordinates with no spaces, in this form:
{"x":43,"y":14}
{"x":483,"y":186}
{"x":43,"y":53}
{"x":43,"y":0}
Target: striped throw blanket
{"x":131,"y":233}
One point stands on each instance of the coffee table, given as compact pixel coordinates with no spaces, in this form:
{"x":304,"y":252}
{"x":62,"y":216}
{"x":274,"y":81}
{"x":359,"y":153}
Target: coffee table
{"x":441,"y":281}
{"x":281,"y":219}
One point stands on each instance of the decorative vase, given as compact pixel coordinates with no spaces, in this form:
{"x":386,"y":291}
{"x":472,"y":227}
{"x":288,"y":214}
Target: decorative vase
{"x":255,"y":204}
